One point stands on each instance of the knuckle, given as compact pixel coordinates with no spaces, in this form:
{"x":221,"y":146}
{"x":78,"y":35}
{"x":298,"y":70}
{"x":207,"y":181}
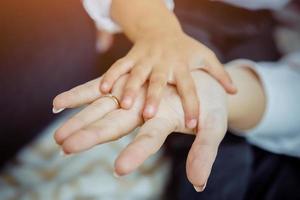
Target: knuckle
{"x":182,"y":67}
{"x":74,"y":94}
{"x":152,"y":98}
{"x":134,"y":81}
{"x":129,"y":92}
{"x":210,"y":54}
{"x":192,"y":110}
{"x":129,"y":89}
{"x":138,"y":68}
{"x":119,"y":62}
{"x":157,"y":79}
{"x":109,"y":75}
{"x":180,"y":71}
{"x":132,"y":85}
{"x":153,"y":95}
{"x":206,"y":67}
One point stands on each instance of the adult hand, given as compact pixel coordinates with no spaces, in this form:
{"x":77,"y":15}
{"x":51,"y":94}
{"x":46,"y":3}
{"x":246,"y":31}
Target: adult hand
{"x":102,"y":121}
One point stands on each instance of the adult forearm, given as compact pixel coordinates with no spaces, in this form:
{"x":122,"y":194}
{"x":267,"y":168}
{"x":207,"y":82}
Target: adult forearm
{"x":140,"y":17}
{"x":247,"y":107}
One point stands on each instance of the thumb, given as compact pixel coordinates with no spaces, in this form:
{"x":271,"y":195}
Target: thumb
{"x":204,"y":151}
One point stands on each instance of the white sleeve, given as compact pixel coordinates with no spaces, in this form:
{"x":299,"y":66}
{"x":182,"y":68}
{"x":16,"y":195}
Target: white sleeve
{"x":258,"y":4}
{"x":279,"y":130}
{"x":99,"y":11}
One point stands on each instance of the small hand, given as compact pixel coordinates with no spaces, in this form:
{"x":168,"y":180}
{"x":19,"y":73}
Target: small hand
{"x":163,"y":59}
{"x":102,"y":121}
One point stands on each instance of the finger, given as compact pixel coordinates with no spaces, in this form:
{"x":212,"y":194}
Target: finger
{"x":137,"y":78}
{"x":190,"y":101}
{"x":157,"y":84}
{"x":91,"y":113}
{"x":77,"y":96}
{"x":216,"y":69}
{"x":204,"y":150}
{"x":119,"y":68}
{"x":112,"y":127}
{"x":148,"y":141}
{"x":84,"y":94}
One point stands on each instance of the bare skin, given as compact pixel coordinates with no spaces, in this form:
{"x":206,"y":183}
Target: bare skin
{"x":102,"y":121}
{"x":161,"y":54}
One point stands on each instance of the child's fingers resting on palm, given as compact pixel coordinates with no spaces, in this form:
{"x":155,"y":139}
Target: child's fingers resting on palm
{"x":165,"y":59}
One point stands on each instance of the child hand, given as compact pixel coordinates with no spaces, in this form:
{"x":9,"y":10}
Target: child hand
{"x":165,"y":59}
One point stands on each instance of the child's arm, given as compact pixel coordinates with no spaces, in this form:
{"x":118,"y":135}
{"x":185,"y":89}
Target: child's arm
{"x":162,"y":53}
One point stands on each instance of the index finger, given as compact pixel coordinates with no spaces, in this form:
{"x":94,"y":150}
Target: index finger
{"x":77,"y":96}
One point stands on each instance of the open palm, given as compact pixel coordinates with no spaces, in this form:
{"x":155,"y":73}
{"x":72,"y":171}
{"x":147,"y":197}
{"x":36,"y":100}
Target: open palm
{"x":102,"y":121}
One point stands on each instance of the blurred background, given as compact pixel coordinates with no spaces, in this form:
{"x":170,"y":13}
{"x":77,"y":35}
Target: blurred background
{"x":49,"y":46}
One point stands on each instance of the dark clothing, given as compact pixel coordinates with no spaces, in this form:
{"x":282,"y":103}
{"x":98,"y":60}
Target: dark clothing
{"x":229,"y":176}
{"x":273,"y":176}
{"x":240,"y":172}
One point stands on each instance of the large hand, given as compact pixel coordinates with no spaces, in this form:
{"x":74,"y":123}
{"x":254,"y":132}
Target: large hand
{"x":101,"y":122}
{"x":165,"y":58}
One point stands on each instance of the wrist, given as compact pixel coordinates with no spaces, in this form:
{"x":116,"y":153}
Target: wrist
{"x":153,"y":29}
{"x":245,"y":108}
{"x":162,"y":36}
{"x":142,"y":17}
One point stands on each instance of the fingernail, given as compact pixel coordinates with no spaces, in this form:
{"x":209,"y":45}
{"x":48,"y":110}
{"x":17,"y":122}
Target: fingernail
{"x":104,"y":86}
{"x":149,"y":110}
{"x":62,"y":153}
{"x":127,"y":101}
{"x":192,"y":123}
{"x":233,"y":87}
{"x":200,"y":188}
{"x":116,"y":175}
{"x":56,"y":111}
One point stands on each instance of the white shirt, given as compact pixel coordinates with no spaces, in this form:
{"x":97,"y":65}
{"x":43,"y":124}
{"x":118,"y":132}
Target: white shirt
{"x":258,"y":4}
{"x":279,"y":130}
